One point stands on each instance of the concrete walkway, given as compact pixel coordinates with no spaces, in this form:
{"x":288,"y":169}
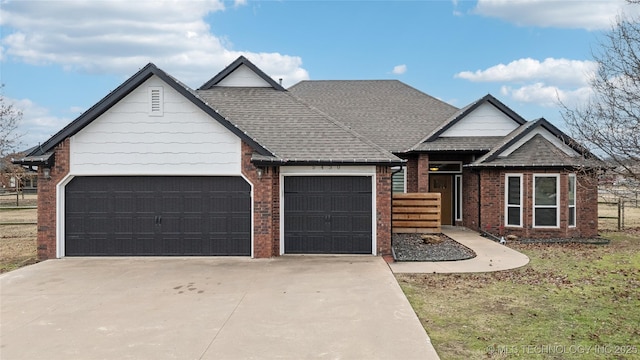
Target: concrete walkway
{"x":490,"y":256}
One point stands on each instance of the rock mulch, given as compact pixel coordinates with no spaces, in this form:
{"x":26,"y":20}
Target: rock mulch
{"x":438,"y":247}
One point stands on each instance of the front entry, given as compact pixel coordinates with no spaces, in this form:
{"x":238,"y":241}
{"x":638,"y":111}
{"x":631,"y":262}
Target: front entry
{"x":443,"y":184}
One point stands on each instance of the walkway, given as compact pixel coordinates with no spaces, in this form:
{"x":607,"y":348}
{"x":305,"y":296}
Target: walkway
{"x":490,"y":256}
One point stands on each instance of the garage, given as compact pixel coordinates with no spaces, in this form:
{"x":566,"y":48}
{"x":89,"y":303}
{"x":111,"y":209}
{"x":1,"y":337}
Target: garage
{"x":157,"y":216}
{"x":327,"y":215}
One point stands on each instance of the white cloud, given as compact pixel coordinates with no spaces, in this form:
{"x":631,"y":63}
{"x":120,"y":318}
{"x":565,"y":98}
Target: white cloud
{"x":119,"y":37}
{"x":37,"y":123}
{"x":547,"y":96}
{"x":399,"y":69}
{"x":559,"y":71}
{"x":539,"y":82}
{"x":590,"y":15}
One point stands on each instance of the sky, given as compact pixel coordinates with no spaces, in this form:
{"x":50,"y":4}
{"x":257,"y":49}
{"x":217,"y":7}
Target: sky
{"x":60,"y":57}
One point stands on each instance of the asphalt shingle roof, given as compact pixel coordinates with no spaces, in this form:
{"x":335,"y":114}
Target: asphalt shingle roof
{"x":290,"y":129}
{"x":389,"y":112}
{"x":461,"y":143}
{"x":538,"y":152}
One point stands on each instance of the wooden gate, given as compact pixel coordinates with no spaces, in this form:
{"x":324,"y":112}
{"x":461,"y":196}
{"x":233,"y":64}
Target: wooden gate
{"x":416,"y":213}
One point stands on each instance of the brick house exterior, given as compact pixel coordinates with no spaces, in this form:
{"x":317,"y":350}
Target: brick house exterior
{"x":309,"y":169}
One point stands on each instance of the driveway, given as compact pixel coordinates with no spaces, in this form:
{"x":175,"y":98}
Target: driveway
{"x":292,"y":307}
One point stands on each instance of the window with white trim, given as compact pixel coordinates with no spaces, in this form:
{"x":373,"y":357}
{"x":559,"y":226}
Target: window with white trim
{"x":513,"y":200}
{"x":545,"y":200}
{"x":458,"y":197}
{"x":572,"y":200}
{"x":156,"y":101}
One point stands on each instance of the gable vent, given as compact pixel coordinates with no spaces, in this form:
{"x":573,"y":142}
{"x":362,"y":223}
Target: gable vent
{"x":156,"y":101}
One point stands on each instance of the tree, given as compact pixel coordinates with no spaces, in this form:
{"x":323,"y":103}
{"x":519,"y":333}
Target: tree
{"x":9,"y":120}
{"x":609,"y":123}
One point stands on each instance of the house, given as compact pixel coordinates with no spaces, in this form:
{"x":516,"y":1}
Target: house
{"x":242,"y":166}
{"x":16,"y":178}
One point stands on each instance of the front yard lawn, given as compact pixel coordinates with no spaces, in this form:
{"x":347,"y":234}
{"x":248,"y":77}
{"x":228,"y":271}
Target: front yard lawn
{"x":570,"y":302}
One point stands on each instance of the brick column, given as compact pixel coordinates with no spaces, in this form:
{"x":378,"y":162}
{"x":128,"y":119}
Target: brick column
{"x":383,"y":210}
{"x":423,"y":173}
{"x":266,"y":237}
{"x":47,"y":202}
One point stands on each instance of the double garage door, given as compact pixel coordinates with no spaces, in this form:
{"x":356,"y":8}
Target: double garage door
{"x":163,"y":215}
{"x":181,"y":215}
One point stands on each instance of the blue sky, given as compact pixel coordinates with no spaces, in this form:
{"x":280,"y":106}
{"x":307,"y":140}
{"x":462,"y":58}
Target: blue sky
{"x":58,"y":58}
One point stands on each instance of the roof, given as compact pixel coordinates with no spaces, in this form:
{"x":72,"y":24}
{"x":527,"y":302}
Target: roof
{"x":461,"y":143}
{"x":235,"y":65}
{"x":123,"y":90}
{"x":293,"y":131}
{"x":388,"y":112}
{"x":537,"y":151}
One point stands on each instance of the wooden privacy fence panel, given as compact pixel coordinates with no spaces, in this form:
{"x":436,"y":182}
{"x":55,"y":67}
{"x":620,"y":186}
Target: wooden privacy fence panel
{"x":416,"y":213}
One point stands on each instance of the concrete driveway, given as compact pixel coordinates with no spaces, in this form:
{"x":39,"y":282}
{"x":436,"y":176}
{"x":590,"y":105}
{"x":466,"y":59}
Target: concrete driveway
{"x":208,"y":308}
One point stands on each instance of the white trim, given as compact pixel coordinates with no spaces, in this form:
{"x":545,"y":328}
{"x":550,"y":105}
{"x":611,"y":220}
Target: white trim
{"x":575,"y":201}
{"x":506,"y":200}
{"x":338,"y":170}
{"x":547,"y":135}
{"x":61,"y":211}
{"x":557,"y":205}
{"x":457,"y":196}
{"x":60,"y":216}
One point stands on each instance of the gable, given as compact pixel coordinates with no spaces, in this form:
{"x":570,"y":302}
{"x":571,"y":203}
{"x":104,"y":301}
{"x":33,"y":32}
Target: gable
{"x":542,"y":132}
{"x":485,"y":120}
{"x":131,"y":138}
{"x":243,"y":77}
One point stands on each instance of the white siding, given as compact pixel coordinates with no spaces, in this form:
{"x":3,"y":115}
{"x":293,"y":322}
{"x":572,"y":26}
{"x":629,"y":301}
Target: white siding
{"x":126,"y":140}
{"x":486,"y":120}
{"x":243,"y":77}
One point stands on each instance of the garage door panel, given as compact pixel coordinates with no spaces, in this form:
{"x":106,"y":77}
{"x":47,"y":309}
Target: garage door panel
{"x":158,"y":216}
{"x":328,"y":214}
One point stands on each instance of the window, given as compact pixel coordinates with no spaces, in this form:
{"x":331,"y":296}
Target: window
{"x":513,"y":200}
{"x":445,"y":167}
{"x":398,"y":180}
{"x":458,"y":197}
{"x":156,"y":101}
{"x":545,"y":200}
{"x":572,"y":200}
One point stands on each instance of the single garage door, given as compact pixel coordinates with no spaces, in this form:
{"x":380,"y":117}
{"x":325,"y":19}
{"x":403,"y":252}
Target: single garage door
{"x":327,"y":215}
{"x":157,"y":215}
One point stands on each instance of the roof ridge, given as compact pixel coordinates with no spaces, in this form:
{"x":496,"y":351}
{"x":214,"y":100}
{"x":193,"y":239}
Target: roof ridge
{"x":345,"y":127}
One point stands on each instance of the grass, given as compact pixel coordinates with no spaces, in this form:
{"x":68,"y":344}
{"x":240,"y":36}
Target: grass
{"x":17,"y":242}
{"x":571,"y":302}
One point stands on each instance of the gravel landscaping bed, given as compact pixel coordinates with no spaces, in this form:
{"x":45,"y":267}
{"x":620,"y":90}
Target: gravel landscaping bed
{"x":412,"y":247}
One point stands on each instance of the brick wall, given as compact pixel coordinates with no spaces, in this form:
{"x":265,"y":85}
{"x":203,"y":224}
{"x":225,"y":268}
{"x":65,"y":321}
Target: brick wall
{"x":47,"y":202}
{"x":412,"y":174}
{"x":266,"y":206}
{"x":383,"y":210}
{"x":492,"y":204}
{"x":423,"y":173}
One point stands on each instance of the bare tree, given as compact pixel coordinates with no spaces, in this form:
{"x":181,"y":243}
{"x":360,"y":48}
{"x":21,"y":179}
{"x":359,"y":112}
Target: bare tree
{"x":10,"y":118}
{"x":609,"y":123}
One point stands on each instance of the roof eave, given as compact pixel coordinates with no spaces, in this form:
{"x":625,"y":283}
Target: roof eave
{"x":321,"y":162}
